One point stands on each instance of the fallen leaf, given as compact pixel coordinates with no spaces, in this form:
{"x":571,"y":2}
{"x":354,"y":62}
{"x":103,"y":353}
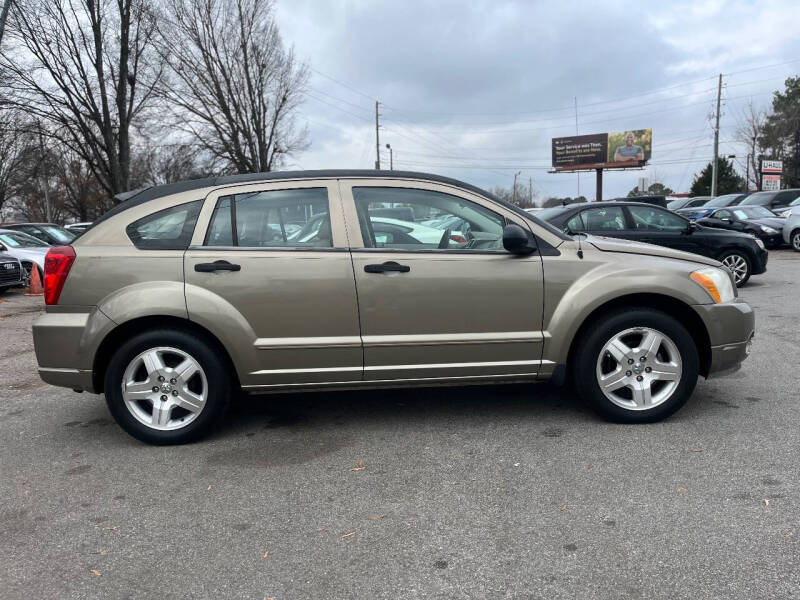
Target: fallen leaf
{"x":113,"y":528}
{"x":359,"y":467}
{"x":96,"y":572}
{"x":590,"y":467}
{"x":320,"y":529}
{"x":104,"y":551}
{"x":766,"y":502}
{"x":377,"y":517}
{"x":563,"y":507}
{"x":266,"y":554}
{"x":682,"y":490}
{"x":347,"y":535}
{"x":209,"y":488}
{"x":696,"y":450}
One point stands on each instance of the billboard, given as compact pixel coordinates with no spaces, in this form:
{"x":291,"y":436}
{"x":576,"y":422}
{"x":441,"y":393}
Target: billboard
{"x":622,"y":149}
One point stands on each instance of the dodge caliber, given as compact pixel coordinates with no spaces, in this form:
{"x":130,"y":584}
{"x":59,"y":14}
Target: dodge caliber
{"x":185,"y":293}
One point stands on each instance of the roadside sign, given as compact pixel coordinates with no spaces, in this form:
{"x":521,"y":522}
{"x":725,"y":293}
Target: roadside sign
{"x":770,"y":183}
{"x":772,"y":166}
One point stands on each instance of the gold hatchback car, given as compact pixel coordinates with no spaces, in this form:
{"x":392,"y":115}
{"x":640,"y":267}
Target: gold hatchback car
{"x":362,"y":279}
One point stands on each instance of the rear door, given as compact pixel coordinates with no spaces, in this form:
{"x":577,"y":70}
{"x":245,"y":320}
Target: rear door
{"x":439,"y":297}
{"x":269,"y":266}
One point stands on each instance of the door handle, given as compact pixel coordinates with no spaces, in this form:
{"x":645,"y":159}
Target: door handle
{"x":219,"y":265}
{"x":387,"y":266}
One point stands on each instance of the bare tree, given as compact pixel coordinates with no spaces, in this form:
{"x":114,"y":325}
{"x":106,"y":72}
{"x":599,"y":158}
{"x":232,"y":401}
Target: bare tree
{"x":84,"y":68}
{"x":234,"y":87}
{"x":14,"y":142}
{"x":749,"y":133}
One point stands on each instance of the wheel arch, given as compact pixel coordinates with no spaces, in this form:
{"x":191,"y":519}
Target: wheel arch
{"x":666,"y":304}
{"x":124,"y":331}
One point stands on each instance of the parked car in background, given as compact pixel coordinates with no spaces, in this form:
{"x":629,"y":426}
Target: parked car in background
{"x":783,"y":211}
{"x":11,"y":273}
{"x":772,"y":200}
{"x":688,"y":202}
{"x":755,"y":220}
{"x":78,"y":228}
{"x":698,"y":212}
{"x":726,"y":200}
{"x":633,"y":325}
{"x":791,"y":228}
{"x":49,"y":233}
{"x":26,"y":248}
{"x":743,"y":254}
{"x":533,"y":210}
{"x":654,"y":200}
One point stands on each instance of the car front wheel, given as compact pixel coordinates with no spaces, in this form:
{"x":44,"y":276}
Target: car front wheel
{"x":795,"y":240}
{"x":167,"y":387}
{"x":739,"y":264}
{"x":636,"y":366}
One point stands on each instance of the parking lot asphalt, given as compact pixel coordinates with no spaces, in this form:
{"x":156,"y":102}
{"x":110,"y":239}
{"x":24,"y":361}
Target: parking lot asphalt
{"x":486,"y":492}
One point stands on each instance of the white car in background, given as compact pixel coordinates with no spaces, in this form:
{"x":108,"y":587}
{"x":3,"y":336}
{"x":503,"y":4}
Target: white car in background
{"x":791,"y":230}
{"x":29,"y":250}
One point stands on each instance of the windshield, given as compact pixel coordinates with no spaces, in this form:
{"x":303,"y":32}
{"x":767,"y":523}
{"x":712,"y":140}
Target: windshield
{"x":752,"y":212}
{"x":676,"y":204}
{"x":759,"y":198}
{"x":20,"y":240}
{"x":62,"y":235}
{"x":725,"y":200}
{"x":548,"y":213}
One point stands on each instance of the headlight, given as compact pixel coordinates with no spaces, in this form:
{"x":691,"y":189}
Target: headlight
{"x":760,"y":244}
{"x":716,"y":282}
{"x":769,"y":230}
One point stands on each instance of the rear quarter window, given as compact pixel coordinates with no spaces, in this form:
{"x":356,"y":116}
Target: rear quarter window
{"x":168,"y":229}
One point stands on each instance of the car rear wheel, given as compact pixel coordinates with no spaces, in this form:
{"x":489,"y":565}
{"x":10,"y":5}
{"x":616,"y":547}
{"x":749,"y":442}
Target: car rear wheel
{"x":167,"y":387}
{"x":636,"y":366}
{"x":795,"y":240}
{"x":739,"y":264}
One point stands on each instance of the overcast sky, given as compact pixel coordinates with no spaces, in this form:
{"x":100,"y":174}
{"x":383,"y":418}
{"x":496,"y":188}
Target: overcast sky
{"x":476,"y":89}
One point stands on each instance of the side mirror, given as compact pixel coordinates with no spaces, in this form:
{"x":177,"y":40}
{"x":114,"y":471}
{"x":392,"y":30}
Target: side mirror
{"x":517,"y":241}
{"x":3,"y":247}
{"x":692,"y":227}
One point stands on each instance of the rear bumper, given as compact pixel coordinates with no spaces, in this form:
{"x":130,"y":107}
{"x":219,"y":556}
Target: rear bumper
{"x":65,"y":344}
{"x":730,"y":327}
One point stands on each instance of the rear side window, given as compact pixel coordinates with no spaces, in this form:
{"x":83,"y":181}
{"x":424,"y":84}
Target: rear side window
{"x":168,"y":229}
{"x":608,"y":218}
{"x":272,"y":219}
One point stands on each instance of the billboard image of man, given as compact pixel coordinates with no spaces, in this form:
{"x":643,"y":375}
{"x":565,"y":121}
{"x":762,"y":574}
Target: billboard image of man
{"x":629,"y":151}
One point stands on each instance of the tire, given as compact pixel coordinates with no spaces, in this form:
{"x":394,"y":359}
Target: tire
{"x":675,"y":359}
{"x":192,"y":387}
{"x":794,"y":240}
{"x":740,"y":264}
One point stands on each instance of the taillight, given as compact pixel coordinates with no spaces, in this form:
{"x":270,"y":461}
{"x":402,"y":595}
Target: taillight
{"x":458,"y":239}
{"x":57,"y":264}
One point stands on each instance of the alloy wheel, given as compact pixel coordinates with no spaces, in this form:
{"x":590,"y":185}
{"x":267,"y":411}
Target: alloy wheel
{"x":639,"y":368}
{"x":164,"y":388}
{"x":796,"y":240}
{"x":738,"y":266}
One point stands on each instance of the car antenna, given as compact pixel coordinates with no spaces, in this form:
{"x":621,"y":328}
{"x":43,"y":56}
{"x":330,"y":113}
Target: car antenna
{"x":577,"y":234}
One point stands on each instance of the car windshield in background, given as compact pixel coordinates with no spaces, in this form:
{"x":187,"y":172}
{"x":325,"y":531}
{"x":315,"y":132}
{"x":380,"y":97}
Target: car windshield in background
{"x":548,"y":213}
{"x":725,"y":200}
{"x":62,"y":235}
{"x":752,"y":212}
{"x":21,"y":240}
{"x":759,"y":198}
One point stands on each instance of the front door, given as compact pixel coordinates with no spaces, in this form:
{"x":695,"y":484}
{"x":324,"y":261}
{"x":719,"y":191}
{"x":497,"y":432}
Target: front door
{"x":270,"y":268}
{"x":658,"y":226}
{"x":439,"y":297}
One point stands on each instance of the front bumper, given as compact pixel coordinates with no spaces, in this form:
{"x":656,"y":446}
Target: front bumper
{"x":730,"y":326}
{"x":760,"y":265}
{"x":773,"y":240}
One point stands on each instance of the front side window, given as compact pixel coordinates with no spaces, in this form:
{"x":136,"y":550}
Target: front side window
{"x":168,"y":229}
{"x":413,"y":219}
{"x":723,"y":214}
{"x":607,"y":218}
{"x":655,"y":219}
{"x":272,"y":219}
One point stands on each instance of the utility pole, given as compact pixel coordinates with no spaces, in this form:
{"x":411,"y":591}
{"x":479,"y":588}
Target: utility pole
{"x":530,"y":191}
{"x":576,"y":133}
{"x":716,"y":141}
{"x":377,"y":139}
{"x":3,"y":15}
{"x":514,"y":189}
{"x":391,"y":158}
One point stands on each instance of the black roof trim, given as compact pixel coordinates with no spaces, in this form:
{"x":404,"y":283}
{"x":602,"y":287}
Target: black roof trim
{"x":139,"y":197}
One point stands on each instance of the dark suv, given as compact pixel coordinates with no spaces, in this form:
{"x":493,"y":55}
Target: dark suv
{"x":772,"y":200}
{"x":743,"y":254}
